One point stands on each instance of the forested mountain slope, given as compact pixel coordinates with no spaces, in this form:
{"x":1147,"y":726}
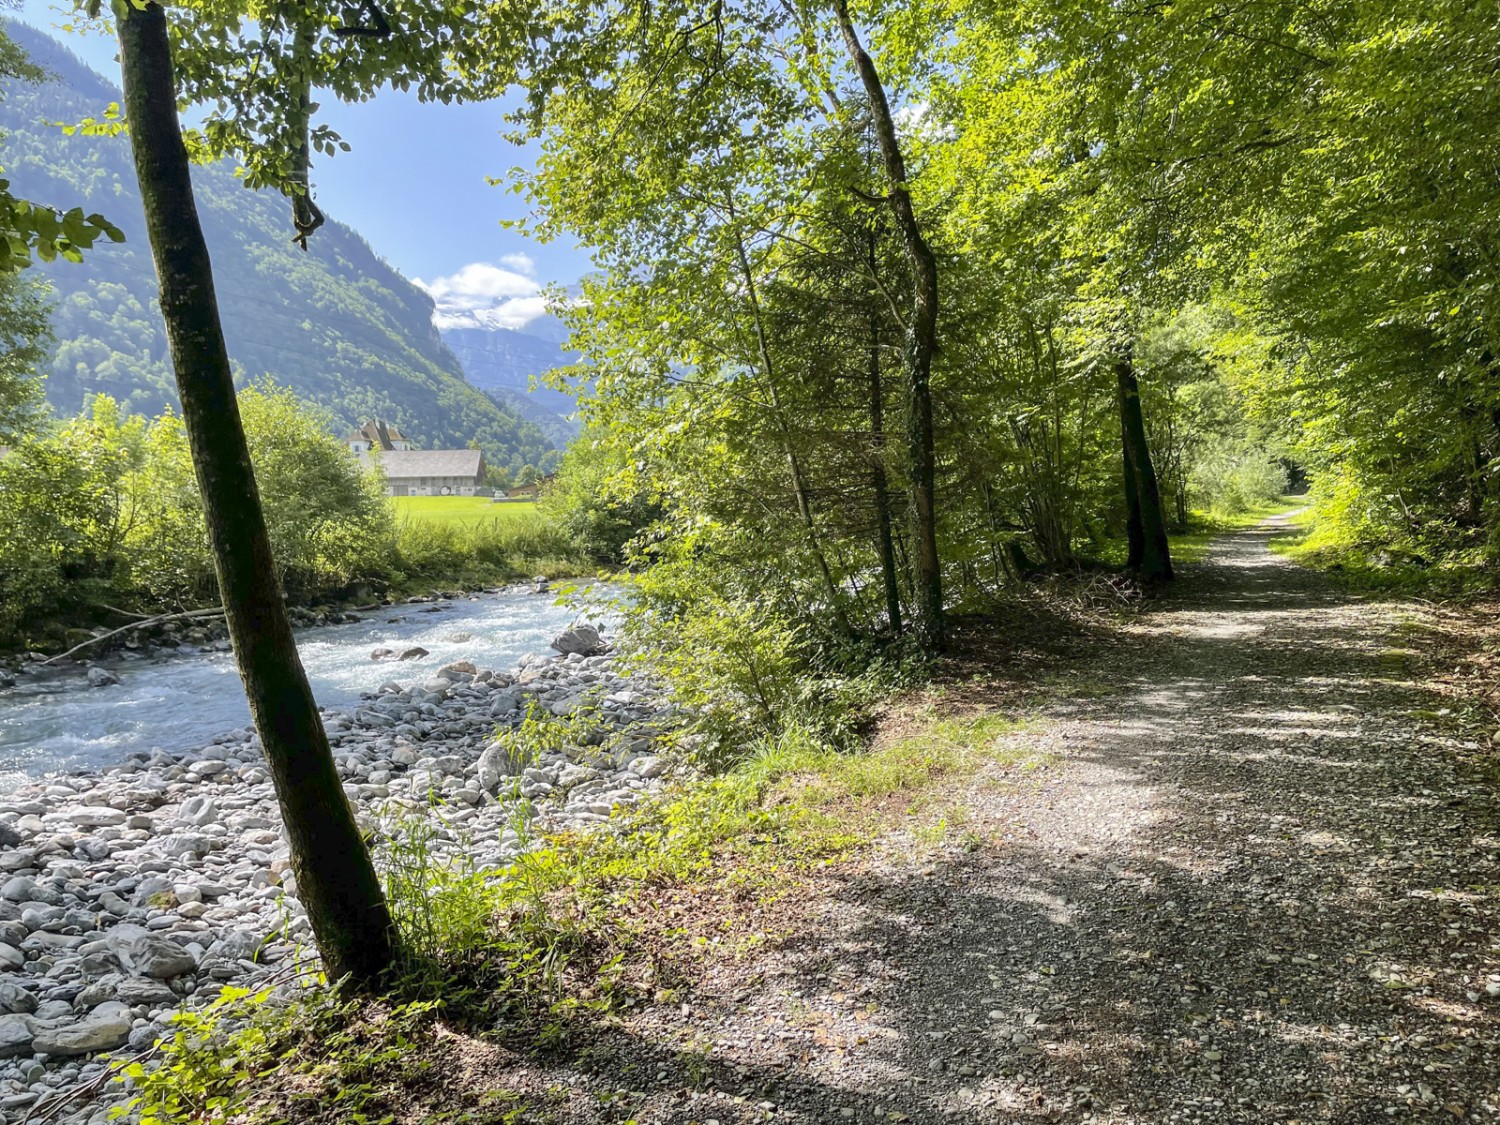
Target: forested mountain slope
{"x":337,"y":324}
{"x":503,"y":361}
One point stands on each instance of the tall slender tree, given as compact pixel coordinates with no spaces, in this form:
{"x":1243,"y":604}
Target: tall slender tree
{"x":336,"y":879}
{"x":921,"y":343}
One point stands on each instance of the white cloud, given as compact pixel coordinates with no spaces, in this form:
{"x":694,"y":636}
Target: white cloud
{"x":486,"y":295}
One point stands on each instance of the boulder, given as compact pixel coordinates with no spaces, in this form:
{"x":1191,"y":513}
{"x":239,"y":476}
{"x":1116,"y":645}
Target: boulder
{"x":22,"y":888}
{"x":144,"y":990}
{"x":16,"y":999}
{"x":16,"y":1035}
{"x":149,"y":955}
{"x":415,"y":653}
{"x":185,"y":844}
{"x":383,"y":654}
{"x":99,"y":816}
{"x":101,"y":991}
{"x":199,"y":811}
{"x":497,"y":763}
{"x":97,"y":1033}
{"x":583,"y":639}
{"x":100,"y":677}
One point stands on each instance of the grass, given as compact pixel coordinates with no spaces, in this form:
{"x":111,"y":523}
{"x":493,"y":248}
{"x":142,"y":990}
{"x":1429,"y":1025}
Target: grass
{"x":1439,"y":570}
{"x":469,"y":541}
{"x":460,"y":509}
{"x":583,"y":928}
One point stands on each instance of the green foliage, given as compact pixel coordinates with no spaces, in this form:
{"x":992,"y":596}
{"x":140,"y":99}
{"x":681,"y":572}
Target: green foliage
{"x":25,"y":336}
{"x":103,"y":510}
{"x":591,"y":503}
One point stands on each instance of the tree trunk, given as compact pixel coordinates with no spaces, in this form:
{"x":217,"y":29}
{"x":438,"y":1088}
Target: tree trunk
{"x":1145,"y":527}
{"x":881,"y":485}
{"x":794,"y":463}
{"x":336,"y":880}
{"x":921,"y":342}
{"x":1135,"y":535}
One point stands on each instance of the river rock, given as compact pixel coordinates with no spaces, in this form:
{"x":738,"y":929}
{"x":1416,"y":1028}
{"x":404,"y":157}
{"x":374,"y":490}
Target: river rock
{"x":149,"y":955}
{"x":415,"y":653}
{"x":583,"y":639}
{"x":184,"y":844}
{"x":382,"y":654}
{"x":495,"y":764}
{"x":97,"y":817}
{"x":198,"y":811}
{"x":15,"y":999}
{"x":143,"y":990}
{"x":101,"y":677}
{"x":16,"y":1035}
{"x":22,"y":888}
{"x":97,"y":1033}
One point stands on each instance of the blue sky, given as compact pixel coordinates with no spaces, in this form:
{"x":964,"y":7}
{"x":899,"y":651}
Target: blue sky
{"x":414,"y":186}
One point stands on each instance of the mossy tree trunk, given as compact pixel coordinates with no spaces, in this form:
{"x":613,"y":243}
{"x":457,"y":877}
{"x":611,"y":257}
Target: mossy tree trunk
{"x":336,"y":880}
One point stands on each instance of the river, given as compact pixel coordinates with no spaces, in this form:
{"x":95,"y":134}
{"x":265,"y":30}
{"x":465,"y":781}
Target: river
{"x":52,"y":723}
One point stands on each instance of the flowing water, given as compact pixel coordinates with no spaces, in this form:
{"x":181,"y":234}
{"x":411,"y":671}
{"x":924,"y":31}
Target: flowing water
{"x":52,"y":723}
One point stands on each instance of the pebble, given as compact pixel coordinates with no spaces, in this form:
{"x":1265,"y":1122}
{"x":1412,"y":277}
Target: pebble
{"x":143,"y":888}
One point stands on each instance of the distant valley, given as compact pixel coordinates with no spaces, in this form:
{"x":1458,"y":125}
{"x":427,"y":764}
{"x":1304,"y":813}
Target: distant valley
{"x":337,"y":324}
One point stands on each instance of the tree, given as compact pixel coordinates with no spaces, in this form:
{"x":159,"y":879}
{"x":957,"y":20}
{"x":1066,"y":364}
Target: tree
{"x":725,"y":162}
{"x":921,"y":343}
{"x":25,"y":337}
{"x":336,"y":880}
{"x":1146,"y":529}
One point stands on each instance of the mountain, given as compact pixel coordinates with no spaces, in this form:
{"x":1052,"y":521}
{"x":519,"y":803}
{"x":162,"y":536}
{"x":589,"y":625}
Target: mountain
{"x":502,"y":362}
{"x":337,"y":324}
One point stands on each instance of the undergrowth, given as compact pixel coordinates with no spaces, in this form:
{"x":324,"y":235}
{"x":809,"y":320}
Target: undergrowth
{"x":1433,"y":566}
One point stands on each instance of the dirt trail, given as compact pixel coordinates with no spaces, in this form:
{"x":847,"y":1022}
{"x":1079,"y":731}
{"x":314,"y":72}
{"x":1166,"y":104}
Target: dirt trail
{"x":1253,"y":887}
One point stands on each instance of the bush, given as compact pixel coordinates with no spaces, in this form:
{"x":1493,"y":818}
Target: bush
{"x":1231,"y":480}
{"x":485,"y":550}
{"x":596,"y":503}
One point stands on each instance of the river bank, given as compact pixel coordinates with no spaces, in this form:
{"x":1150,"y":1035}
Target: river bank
{"x":135,"y":890}
{"x":180,"y":695}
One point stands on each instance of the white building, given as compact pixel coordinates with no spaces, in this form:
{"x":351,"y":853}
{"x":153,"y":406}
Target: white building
{"x":418,"y":472}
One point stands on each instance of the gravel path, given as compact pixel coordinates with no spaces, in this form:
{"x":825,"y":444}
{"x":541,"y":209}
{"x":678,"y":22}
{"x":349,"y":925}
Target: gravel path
{"x":1255,"y":886}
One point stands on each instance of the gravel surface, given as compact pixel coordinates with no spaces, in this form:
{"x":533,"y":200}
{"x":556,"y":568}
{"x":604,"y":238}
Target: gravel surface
{"x":1257,"y":884}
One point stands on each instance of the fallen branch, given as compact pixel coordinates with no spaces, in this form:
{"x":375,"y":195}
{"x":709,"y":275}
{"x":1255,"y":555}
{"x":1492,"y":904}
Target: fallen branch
{"x":212,"y":611}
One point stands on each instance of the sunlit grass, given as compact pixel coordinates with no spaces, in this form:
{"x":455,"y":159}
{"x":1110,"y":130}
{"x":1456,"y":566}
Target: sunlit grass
{"x":459,"y":509}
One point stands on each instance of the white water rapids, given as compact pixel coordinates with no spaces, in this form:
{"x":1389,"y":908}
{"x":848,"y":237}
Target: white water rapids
{"x":56,"y":722}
